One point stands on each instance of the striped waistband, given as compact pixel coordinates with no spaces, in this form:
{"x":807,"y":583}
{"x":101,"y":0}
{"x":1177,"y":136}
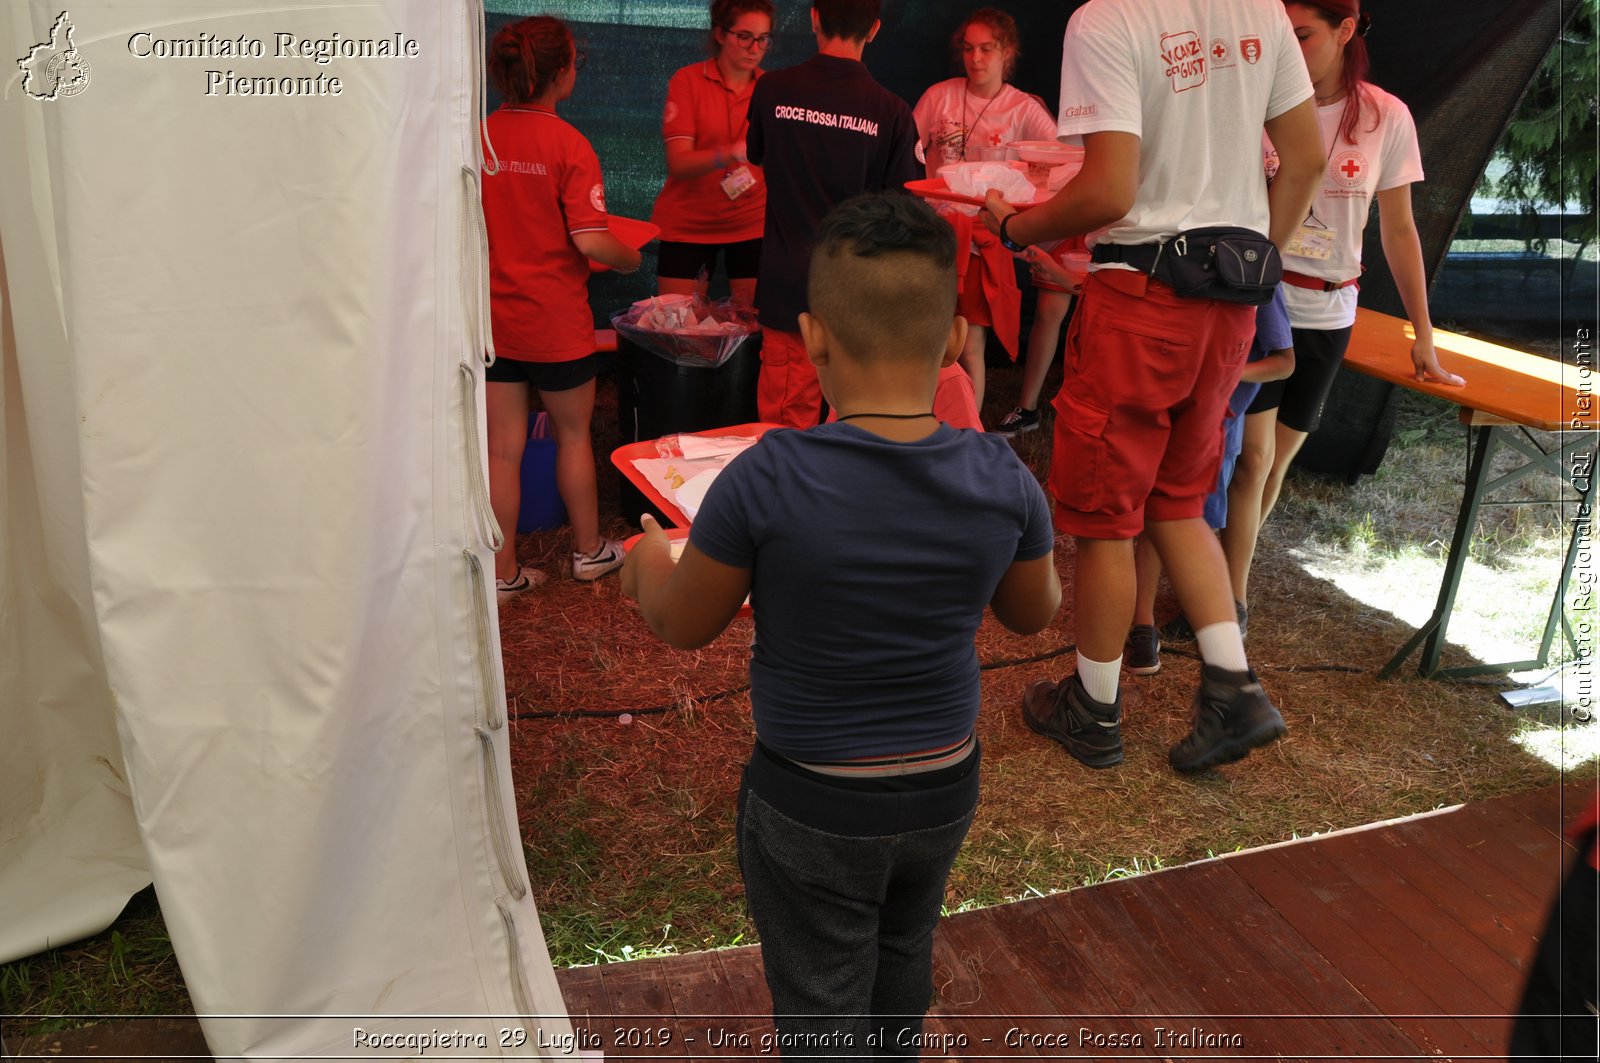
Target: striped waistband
{"x":898,"y":764}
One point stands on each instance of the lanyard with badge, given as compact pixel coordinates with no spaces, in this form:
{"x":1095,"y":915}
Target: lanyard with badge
{"x":1313,"y":239}
{"x":736,"y":183}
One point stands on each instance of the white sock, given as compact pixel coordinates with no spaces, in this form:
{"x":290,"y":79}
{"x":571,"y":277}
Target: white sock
{"x":1099,"y":678}
{"x":1222,"y":646}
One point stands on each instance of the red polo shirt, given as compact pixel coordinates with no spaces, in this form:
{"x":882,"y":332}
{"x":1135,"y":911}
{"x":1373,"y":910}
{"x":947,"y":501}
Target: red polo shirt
{"x":547,"y":187}
{"x":706,"y":113}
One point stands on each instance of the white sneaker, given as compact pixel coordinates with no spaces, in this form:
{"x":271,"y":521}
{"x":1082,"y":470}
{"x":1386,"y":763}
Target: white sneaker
{"x":527,"y":578}
{"x":607,"y":558}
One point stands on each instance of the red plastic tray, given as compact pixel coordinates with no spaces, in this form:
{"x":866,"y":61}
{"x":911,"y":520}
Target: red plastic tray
{"x":937,"y":188}
{"x":631,"y":231}
{"x":624,"y":456}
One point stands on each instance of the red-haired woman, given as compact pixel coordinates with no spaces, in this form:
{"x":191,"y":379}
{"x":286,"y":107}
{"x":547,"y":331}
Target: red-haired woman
{"x":968,"y":119}
{"x":545,"y":207}
{"x":714,"y":200}
{"x":1371,"y":145}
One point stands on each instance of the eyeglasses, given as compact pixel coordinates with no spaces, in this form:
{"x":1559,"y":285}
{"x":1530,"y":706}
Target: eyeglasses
{"x":986,"y":48}
{"x":746,"y":39}
{"x":579,"y":57}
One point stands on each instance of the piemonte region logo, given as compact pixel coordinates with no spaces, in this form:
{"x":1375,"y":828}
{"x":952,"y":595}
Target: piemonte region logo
{"x":55,"y":69}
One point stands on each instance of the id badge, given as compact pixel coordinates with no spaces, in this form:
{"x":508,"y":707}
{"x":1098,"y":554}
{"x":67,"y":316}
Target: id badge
{"x":1312,"y":243}
{"x":738,"y":182}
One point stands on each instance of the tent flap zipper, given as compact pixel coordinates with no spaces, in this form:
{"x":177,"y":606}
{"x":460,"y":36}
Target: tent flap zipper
{"x":489,"y":532}
{"x":488,"y":680}
{"x":519,"y":981}
{"x":494,"y":809}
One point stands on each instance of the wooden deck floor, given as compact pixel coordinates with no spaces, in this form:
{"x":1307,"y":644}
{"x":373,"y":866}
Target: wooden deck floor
{"x":1404,"y":939}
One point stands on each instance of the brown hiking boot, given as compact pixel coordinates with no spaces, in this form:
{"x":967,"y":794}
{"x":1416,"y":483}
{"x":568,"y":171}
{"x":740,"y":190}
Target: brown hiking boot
{"x":1232,"y":716}
{"x":1064,"y":711}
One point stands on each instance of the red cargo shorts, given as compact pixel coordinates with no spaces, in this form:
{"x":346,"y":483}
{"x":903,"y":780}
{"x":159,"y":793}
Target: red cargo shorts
{"x":1138,"y":428}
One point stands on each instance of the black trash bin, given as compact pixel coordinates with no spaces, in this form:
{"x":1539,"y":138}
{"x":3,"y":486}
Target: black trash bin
{"x":657,"y":396}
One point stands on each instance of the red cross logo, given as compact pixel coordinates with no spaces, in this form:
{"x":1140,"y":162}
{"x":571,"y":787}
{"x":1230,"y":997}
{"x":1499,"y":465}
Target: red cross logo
{"x":995,"y":140}
{"x":1219,"y":51}
{"x":1348,"y":168}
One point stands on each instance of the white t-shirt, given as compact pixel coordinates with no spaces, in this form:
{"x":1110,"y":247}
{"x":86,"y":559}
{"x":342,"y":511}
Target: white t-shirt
{"x":955,"y":126}
{"x":1384,"y":156}
{"x":1194,"y":80}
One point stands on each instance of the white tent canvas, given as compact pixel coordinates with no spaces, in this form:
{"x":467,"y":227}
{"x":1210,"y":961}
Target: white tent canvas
{"x":247,"y":647}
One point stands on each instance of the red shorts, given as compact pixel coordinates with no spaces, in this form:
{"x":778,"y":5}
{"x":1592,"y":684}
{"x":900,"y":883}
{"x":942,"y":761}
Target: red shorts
{"x":972,"y":302}
{"x":1138,"y":431}
{"x":787,"y":391}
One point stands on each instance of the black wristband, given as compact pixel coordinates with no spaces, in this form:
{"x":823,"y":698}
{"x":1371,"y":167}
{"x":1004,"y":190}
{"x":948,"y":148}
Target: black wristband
{"x":1005,"y":239}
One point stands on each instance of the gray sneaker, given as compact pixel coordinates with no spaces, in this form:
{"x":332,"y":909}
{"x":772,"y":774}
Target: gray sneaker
{"x":1064,"y":711}
{"x":1232,"y":716}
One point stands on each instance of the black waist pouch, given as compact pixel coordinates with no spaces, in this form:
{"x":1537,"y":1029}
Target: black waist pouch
{"x":1225,"y":262}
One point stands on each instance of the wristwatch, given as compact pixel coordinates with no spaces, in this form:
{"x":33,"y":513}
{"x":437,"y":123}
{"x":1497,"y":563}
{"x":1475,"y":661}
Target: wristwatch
{"x":1005,"y":239}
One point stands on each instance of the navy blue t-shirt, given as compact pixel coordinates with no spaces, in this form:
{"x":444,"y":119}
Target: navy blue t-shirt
{"x":822,"y":131}
{"x":872,"y":563}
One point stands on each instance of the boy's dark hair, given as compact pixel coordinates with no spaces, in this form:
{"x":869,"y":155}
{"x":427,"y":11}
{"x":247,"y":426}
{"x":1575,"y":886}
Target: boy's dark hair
{"x":883,"y":276}
{"x":847,"y":19}
{"x":525,"y":57}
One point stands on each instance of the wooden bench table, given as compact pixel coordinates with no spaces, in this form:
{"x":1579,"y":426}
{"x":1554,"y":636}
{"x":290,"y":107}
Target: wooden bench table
{"x":1507,"y":392}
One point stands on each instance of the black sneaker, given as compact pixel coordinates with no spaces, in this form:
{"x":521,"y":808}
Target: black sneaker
{"x":1018,"y":420}
{"x":1232,"y":716}
{"x":1141,"y":654}
{"x":1064,"y":711}
{"x":1178,"y":629}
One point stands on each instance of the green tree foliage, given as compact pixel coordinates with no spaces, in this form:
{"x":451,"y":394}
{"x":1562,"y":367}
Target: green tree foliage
{"x":1550,"y":146}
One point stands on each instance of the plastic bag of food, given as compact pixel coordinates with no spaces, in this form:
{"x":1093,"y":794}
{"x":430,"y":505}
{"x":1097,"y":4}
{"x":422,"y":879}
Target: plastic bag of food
{"x":1010,"y":179}
{"x":686,"y":329}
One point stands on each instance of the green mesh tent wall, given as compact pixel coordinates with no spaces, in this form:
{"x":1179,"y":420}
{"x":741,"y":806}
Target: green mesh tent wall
{"x":1461,"y":65}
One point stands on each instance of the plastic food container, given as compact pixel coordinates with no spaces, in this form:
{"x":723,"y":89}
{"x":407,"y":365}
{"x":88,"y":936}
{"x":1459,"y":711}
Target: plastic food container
{"x":1048,"y":152}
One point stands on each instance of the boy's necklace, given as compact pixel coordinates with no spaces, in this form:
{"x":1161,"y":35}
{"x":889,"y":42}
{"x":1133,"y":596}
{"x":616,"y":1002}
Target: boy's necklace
{"x":886,"y":416}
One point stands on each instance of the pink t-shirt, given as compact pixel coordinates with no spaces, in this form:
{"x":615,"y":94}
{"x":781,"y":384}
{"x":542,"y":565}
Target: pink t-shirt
{"x":955,"y":126}
{"x":1328,"y":243}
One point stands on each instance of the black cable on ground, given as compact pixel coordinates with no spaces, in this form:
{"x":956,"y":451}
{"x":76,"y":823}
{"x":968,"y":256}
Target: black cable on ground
{"x":652,"y":710}
{"x":989,"y":666}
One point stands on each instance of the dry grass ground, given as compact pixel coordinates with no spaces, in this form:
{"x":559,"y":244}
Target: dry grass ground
{"x":627,"y":821}
{"x":629,"y":825}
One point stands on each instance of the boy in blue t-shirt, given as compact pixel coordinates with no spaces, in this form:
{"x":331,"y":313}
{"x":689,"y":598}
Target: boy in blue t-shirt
{"x":869,"y":548}
{"x":1271,"y":358}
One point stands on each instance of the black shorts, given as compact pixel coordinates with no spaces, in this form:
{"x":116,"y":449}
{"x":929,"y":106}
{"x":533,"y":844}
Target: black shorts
{"x":1300,"y":398}
{"x":545,"y":376}
{"x":682,"y":261}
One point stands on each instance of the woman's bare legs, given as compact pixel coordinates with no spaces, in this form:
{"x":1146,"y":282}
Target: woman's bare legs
{"x":570,"y":412}
{"x":506,"y":410}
